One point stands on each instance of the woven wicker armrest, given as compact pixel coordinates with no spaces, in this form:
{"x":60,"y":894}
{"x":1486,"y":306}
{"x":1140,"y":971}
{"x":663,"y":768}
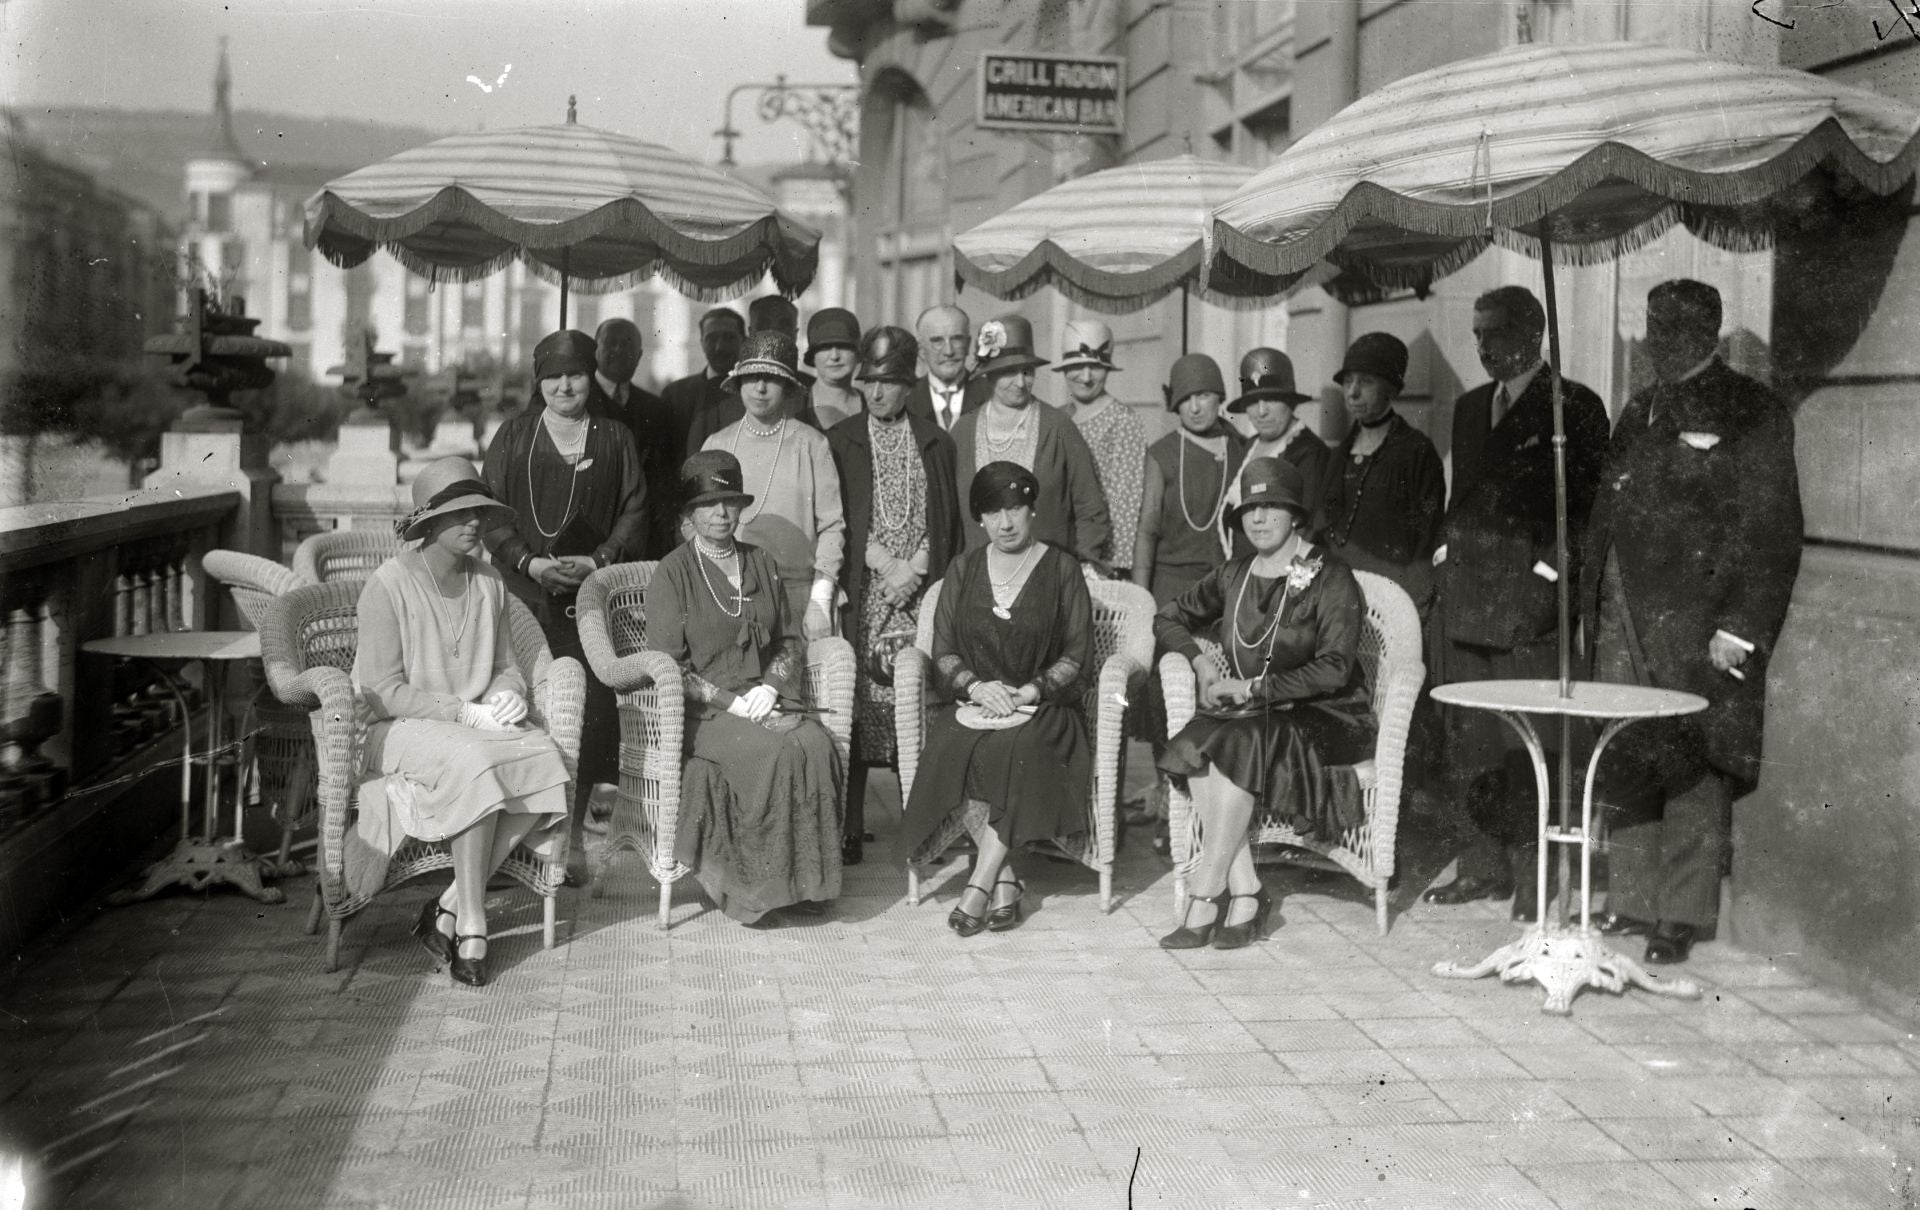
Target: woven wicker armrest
{"x":911,"y":668}
{"x":1179,"y":687}
{"x":830,"y":676}
{"x":559,"y":704}
{"x":336,"y":761}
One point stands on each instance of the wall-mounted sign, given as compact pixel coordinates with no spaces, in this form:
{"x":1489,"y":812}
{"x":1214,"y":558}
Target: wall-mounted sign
{"x":1085,"y":94}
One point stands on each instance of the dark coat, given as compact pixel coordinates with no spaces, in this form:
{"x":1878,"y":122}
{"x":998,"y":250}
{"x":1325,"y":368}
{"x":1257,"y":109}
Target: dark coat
{"x":701,"y":408}
{"x":1071,"y":511}
{"x":661,"y":444}
{"x":920,"y":398}
{"x":1394,"y":525}
{"x":852,"y":446}
{"x":1706,"y":540}
{"x":1500,"y":515}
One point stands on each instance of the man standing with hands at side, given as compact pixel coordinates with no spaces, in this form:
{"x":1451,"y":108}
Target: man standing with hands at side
{"x":945,"y":333}
{"x":659,"y":439}
{"x":1693,"y":548}
{"x":1497,"y":614}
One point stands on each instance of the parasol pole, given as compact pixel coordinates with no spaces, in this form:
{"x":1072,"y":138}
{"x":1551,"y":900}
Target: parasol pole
{"x":564,"y":256}
{"x":1183,"y":319}
{"x":1565,"y":593}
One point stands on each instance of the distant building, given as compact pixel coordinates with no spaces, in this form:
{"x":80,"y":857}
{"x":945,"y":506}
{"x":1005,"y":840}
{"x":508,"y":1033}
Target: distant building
{"x":86,"y":272}
{"x":246,"y":235}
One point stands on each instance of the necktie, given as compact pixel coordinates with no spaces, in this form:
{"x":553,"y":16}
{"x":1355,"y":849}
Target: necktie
{"x":947,"y":408}
{"x":1501,"y":402}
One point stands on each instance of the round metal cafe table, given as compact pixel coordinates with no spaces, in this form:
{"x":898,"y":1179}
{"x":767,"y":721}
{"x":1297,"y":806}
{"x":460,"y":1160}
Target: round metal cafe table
{"x":1565,"y":958}
{"x":209,"y":859}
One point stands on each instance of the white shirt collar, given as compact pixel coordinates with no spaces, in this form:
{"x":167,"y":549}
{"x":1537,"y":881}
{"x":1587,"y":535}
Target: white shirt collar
{"x":942,"y":389}
{"x":1518,"y":384}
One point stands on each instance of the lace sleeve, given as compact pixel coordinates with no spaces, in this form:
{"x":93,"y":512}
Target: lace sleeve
{"x":1060,"y":681}
{"x":956,"y":676}
{"x":786,"y":657}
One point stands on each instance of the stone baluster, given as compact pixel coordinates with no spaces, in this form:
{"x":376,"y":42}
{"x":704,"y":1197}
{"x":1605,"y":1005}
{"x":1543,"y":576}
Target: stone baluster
{"x":142,"y":602}
{"x":122,"y":605}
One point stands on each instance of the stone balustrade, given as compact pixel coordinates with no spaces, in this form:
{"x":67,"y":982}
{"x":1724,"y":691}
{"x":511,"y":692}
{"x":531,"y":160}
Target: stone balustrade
{"x":80,"y":570}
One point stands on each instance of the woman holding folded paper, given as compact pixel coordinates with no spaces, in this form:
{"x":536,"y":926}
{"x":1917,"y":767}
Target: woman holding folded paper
{"x":1008,"y":762}
{"x":447,"y":738}
{"x":577,"y":494}
{"x":760,"y":787}
{"x":1277,"y":732}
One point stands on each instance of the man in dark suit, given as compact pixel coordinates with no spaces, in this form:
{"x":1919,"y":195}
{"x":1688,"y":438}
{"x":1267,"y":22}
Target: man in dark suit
{"x":699,"y":406}
{"x":654,"y":429}
{"x":1693,"y":547}
{"x":1496,"y":614}
{"x":945,"y":394}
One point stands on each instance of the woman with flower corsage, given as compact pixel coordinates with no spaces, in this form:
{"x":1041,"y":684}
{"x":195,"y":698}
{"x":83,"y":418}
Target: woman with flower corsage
{"x":760,"y":784}
{"x":1007,"y":763}
{"x":1280,"y":729}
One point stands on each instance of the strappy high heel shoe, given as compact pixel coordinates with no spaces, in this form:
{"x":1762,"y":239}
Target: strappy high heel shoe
{"x":470,"y":971}
{"x":1002,"y":917}
{"x":1254,"y":928}
{"x":427,"y":929}
{"x":963,"y":923}
{"x":1186,"y":938}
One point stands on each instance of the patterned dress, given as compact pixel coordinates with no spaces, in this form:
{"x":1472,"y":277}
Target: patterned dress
{"x":899,"y":526}
{"x":1119,"y":447}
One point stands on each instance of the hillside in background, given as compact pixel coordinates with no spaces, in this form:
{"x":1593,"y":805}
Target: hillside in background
{"x":144,"y":153}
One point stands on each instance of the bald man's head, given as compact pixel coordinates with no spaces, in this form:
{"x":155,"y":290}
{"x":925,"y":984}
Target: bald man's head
{"x":620,"y":349}
{"x":945,"y":332}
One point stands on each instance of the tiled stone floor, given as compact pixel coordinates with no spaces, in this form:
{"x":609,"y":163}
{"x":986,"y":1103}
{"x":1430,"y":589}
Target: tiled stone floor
{"x":190,"y":1052}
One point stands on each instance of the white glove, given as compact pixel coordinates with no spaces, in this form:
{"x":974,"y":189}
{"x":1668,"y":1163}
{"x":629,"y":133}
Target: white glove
{"x":755,"y":704}
{"x":509,"y":707}
{"x":479,"y":717}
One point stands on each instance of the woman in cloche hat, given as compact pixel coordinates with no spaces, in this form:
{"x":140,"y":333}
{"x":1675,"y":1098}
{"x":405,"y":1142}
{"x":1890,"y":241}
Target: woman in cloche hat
{"x":797,"y":516}
{"x":1070,"y":510}
{"x":1283,"y":710}
{"x":1112,"y":431}
{"x":459,"y":756}
{"x":578,"y":492}
{"x":759,"y":783}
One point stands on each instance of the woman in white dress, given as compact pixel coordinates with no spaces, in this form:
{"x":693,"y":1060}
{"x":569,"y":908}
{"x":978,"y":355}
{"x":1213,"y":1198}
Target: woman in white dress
{"x":448,"y":708}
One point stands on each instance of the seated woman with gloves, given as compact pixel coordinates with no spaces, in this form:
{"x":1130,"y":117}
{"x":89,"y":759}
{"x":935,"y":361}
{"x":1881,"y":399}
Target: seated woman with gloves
{"x":436,"y":672}
{"x":760,"y":786}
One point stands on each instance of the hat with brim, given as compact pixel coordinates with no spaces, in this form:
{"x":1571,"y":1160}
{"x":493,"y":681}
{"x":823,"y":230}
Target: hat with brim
{"x":833,"y":328}
{"x":1087,"y":342}
{"x":1270,"y":481}
{"x":1266,"y":374}
{"x":1003,"y":345}
{"x":766,"y":355}
{"x":710,"y":477}
{"x":449,"y":485}
{"x":887,"y":354}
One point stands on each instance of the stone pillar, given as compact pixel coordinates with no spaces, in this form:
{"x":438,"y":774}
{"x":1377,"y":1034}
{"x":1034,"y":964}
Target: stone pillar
{"x":367,"y":451}
{"x":209,"y":447}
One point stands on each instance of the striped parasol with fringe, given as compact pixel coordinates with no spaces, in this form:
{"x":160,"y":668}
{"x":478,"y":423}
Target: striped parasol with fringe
{"x":1113,"y":241}
{"x":583,"y":208}
{"x":1599,"y":147}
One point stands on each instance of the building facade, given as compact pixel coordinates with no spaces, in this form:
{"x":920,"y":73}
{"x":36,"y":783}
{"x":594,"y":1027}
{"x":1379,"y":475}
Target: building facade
{"x":1827,"y":862}
{"x":245,"y":237}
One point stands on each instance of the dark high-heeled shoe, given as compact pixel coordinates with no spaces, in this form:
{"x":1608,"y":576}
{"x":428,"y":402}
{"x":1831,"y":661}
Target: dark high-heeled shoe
{"x":1002,"y":917}
{"x":964,"y":923}
{"x":1187,"y":938}
{"x":1234,"y":936}
{"x":427,"y":929}
{"x":470,"y":971}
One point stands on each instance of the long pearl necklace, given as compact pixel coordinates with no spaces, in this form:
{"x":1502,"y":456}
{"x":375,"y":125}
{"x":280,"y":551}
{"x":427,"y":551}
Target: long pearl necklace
{"x":1220,"y":501}
{"x":1004,"y":610}
{"x":879,"y":431}
{"x":731,"y":554}
{"x":773,"y":468}
{"x":1271,"y":633}
{"x":573,"y":480}
{"x":456,"y":624}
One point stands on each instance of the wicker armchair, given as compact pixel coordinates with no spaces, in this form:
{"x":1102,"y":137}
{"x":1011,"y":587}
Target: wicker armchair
{"x":308,"y":646}
{"x":343,"y":554}
{"x":1390,"y":649}
{"x":283,"y":747}
{"x":1122,"y":651}
{"x":611,"y":612}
